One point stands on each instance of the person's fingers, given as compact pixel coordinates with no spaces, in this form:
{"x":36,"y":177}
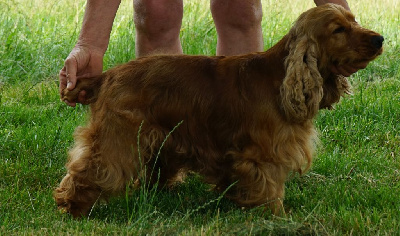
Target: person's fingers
{"x":63,"y":79}
{"x":63,"y":85}
{"x":71,"y":104}
{"x":71,"y":67}
{"x":82,"y":97}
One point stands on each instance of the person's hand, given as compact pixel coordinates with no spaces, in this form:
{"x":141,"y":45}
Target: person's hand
{"x":347,"y":70}
{"x":83,"y":62}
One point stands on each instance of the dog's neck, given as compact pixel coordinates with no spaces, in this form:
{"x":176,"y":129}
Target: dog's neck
{"x":279,"y":52}
{"x":274,"y":58}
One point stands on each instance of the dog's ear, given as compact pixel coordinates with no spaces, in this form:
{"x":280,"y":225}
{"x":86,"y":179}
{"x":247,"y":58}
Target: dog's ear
{"x":301,"y":91}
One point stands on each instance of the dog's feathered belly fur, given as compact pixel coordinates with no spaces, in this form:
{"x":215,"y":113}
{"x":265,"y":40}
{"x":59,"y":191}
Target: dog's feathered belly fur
{"x":230,"y":121}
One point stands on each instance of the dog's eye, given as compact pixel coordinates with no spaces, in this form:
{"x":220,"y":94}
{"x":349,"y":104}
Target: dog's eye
{"x":338,"y":30}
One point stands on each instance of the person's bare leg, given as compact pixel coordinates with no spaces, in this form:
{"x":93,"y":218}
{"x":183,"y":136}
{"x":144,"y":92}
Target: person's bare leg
{"x":238,"y":24}
{"x":158,"y":23}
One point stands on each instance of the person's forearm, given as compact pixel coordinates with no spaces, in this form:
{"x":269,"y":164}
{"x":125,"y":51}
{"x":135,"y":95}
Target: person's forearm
{"x":342,"y":3}
{"x":97,"y":23}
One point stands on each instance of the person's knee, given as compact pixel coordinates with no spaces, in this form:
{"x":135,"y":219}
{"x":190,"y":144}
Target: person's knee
{"x":242,"y":15}
{"x":157,"y":18}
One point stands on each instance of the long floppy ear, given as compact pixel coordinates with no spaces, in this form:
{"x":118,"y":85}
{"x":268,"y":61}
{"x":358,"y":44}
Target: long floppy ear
{"x":301,"y":91}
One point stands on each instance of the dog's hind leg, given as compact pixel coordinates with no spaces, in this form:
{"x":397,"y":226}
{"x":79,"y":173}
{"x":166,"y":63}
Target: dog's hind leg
{"x":163,"y":159}
{"x":102,"y":162}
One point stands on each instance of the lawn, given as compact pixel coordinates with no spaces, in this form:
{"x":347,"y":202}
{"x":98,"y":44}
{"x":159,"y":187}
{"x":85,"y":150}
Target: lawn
{"x":353,"y":187}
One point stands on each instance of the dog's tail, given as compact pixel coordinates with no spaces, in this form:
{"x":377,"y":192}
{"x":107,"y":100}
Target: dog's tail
{"x":91,"y":86}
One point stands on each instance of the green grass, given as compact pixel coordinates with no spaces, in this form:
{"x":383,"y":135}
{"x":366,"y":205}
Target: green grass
{"x":353,"y":187}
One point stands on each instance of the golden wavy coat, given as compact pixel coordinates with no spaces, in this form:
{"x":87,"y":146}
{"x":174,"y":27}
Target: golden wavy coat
{"x":241,"y":121}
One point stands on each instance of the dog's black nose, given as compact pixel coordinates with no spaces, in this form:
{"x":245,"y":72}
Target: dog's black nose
{"x":377,"y":41}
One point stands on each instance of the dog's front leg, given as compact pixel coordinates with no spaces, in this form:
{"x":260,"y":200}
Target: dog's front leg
{"x":260,"y":181}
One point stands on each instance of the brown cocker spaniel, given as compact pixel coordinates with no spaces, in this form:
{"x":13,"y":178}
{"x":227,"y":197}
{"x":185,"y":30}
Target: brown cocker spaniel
{"x":242,"y":122}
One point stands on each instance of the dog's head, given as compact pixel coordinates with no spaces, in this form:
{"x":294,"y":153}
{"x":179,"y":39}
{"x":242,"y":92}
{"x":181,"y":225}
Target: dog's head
{"x":323,"y":37}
